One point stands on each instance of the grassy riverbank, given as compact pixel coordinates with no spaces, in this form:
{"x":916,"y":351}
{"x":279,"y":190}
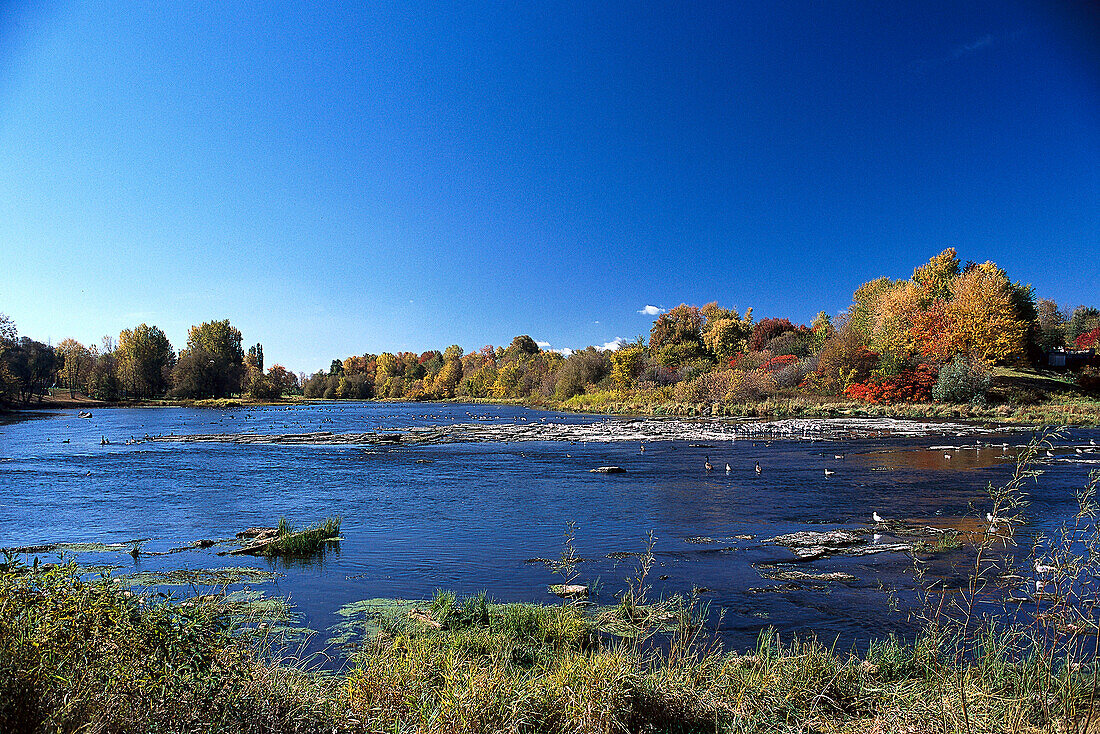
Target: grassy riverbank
{"x":1027,"y":397}
{"x":85,"y":655}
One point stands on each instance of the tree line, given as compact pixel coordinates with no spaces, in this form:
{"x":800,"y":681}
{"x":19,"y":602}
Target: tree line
{"x":934,"y":336}
{"x":140,"y":364}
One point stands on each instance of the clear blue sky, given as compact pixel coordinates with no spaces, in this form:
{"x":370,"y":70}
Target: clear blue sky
{"x":341,"y":178}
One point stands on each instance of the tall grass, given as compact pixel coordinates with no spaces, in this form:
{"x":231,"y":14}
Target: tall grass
{"x":291,"y":542}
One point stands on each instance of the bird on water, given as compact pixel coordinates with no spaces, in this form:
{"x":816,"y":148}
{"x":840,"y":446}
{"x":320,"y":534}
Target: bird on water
{"x":708,"y":466}
{"x":758,"y":469}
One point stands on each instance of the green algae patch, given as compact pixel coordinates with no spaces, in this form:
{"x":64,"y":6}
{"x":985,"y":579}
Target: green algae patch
{"x":367,"y":618}
{"x":227,"y":576}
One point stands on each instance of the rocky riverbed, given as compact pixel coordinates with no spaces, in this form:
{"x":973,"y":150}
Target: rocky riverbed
{"x":607,"y":431}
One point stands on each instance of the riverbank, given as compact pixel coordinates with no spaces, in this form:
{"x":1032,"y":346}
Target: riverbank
{"x":79,"y":654}
{"x":1018,"y":397}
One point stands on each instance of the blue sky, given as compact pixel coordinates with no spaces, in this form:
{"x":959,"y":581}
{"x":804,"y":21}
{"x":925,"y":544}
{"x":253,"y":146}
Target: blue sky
{"x":340,"y":178}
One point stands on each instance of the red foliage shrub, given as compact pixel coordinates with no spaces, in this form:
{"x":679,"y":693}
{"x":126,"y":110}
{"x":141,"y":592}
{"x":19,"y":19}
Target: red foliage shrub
{"x":766,"y":330}
{"x":910,"y":386}
{"x":1088,"y":340}
{"x":777,"y":363}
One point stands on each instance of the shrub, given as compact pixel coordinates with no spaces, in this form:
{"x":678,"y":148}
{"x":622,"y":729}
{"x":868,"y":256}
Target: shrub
{"x":793,"y":374}
{"x":777,"y":363}
{"x":1089,"y":379}
{"x":962,"y":381}
{"x":766,"y":330}
{"x":908,"y":386}
{"x":746,"y":361}
{"x":1088,"y":340}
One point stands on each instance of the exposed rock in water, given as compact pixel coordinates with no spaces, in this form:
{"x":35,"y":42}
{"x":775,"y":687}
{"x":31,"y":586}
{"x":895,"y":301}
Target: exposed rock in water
{"x":790,"y":574}
{"x":809,"y":545}
{"x":258,"y":533}
{"x":608,"y":470}
{"x":569,"y":591}
{"x":126,"y":545}
{"x":606,"y":431}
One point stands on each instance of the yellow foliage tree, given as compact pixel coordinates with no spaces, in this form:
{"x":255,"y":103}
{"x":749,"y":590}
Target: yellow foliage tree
{"x":626,"y":363}
{"x":982,"y":318}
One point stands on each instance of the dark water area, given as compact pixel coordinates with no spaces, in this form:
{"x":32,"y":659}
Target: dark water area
{"x":468,"y":517}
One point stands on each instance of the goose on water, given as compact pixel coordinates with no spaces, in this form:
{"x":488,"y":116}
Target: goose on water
{"x":1042,"y":569}
{"x":829,"y":473}
{"x":708,"y":466}
{"x":758,"y":469}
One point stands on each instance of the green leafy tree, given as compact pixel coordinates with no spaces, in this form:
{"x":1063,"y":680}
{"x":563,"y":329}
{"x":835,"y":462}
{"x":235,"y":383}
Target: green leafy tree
{"x":522,"y":346}
{"x":32,"y":367}
{"x":585,"y":367}
{"x":213,"y":363}
{"x":145,"y":359}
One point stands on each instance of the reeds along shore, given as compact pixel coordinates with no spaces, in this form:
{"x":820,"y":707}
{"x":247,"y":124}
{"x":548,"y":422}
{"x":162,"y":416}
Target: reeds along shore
{"x":76,"y":655}
{"x":89,"y":655}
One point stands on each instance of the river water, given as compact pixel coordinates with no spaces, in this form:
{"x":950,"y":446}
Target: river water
{"x":468,"y":516}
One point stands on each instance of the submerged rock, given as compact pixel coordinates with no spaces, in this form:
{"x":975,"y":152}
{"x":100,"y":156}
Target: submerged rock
{"x":608,"y":470}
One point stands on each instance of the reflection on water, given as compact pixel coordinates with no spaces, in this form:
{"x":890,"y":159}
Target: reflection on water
{"x":467,"y":516}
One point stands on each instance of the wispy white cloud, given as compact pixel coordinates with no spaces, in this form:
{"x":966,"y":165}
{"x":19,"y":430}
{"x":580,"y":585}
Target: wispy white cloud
{"x":966,"y":49}
{"x":564,"y":351}
{"x":651,"y":310}
{"x":543,"y":345}
{"x":612,"y":345}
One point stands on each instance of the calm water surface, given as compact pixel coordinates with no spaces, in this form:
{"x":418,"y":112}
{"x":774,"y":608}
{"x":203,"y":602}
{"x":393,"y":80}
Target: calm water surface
{"x":469,"y":516}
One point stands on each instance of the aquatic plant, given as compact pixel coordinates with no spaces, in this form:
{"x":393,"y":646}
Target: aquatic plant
{"x":291,"y":542}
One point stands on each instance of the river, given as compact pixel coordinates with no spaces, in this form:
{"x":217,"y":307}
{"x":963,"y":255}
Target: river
{"x":471,"y":509}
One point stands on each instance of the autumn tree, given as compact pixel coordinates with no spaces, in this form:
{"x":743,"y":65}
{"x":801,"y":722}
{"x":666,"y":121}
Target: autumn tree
{"x":77,"y":363}
{"x":7,"y":341}
{"x":627,"y":364}
{"x":523,"y":346}
{"x":725,"y":332}
{"x":1084,"y":319}
{"x":1052,"y":324}
{"x":677,"y":337}
{"x":982,"y":316}
{"x":446,"y":382}
{"x":766,"y":330}
{"x":584,"y":367}
{"x":285,"y":380}
{"x":255,"y":357}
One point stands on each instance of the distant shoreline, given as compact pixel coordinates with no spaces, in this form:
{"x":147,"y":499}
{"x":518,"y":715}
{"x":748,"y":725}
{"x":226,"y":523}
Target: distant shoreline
{"x":1080,"y":414}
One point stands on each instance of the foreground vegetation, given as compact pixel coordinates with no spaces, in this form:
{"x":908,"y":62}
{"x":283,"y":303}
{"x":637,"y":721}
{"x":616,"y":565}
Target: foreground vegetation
{"x":79,"y":655}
